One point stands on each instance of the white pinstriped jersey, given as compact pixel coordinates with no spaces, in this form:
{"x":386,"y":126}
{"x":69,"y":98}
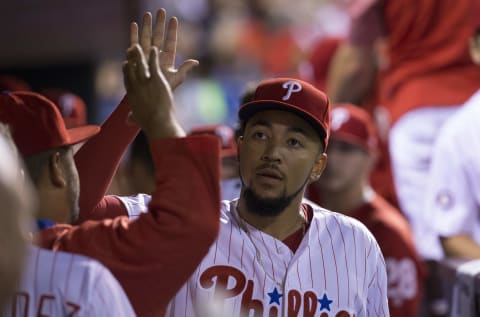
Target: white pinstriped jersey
{"x":338,"y":270}
{"x":58,"y":284}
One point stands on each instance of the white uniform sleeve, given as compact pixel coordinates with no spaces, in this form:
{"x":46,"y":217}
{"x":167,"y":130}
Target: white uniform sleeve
{"x":450,"y":205}
{"x":135,"y":205}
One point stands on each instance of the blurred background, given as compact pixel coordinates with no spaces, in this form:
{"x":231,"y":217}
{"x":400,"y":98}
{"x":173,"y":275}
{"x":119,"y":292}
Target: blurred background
{"x":79,"y":47}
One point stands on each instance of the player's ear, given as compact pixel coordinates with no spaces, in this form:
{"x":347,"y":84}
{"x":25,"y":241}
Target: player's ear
{"x":56,"y":170}
{"x":239,"y":144}
{"x":318,"y":167}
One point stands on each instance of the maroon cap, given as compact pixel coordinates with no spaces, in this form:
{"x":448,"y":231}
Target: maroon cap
{"x":354,"y":125}
{"x":12,"y":83}
{"x":292,"y":95}
{"x":224,"y":133}
{"x":36,"y":123}
{"x":71,"y":106}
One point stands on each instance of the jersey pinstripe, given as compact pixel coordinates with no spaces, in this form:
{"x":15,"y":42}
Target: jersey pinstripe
{"x":338,"y":270}
{"x":63,"y":284}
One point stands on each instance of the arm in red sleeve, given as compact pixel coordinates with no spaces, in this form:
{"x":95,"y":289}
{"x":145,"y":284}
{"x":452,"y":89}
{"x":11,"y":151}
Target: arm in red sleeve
{"x":153,"y":256}
{"x":352,"y":71}
{"x":98,"y":159}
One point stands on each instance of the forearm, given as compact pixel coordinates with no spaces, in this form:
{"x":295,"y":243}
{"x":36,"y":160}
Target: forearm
{"x":351,"y":74}
{"x":461,"y":246}
{"x":105,"y":150}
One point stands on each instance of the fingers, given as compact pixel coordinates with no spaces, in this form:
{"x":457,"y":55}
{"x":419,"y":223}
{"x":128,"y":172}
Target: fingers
{"x":159,"y":29}
{"x":170,"y":45}
{"x":133,"y":34}
{"x":136,"y":61}
{"x":186,"y":67}
{"x":146,"y":35}
{"x":153,"y":63}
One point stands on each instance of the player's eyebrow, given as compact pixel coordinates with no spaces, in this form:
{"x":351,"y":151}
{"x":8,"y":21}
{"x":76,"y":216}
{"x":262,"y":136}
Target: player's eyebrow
{"x":297,"y":130}
{"x":261,"y":122}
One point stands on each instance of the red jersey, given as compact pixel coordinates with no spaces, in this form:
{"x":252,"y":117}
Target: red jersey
{"x":405,"y":273}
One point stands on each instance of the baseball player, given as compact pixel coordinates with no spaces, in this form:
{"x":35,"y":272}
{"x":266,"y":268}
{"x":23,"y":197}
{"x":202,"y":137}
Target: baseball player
{"x":51,"y":284}
{"x":276,"y":256}
{"x":344,"y":187}
{"x":15,"y":196}
{"x":453,"y":191}
{"x":135,"y":252}
{"x":418,"y":50}
{"x":65,"y":284}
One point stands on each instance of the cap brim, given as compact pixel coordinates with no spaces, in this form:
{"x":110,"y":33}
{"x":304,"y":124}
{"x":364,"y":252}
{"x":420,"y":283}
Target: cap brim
{"x":250,"y":108}
{"x":82,"y":133}
{"x":354,"y":140}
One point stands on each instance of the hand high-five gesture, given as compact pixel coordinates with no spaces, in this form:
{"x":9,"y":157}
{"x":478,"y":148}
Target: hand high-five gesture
{"x":166,"y":46}
{"x":149,"y":94}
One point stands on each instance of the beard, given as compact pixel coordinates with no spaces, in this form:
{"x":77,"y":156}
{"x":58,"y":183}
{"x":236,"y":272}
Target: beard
{"x":268,"y":207}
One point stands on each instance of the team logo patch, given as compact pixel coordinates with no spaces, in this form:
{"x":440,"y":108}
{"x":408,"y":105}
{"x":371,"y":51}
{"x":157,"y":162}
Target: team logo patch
{"x":444,"y":199}
{"x":291,"y":87}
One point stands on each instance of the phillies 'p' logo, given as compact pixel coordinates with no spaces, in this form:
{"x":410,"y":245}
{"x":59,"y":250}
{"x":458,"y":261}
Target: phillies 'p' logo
{"x":291,"y":86}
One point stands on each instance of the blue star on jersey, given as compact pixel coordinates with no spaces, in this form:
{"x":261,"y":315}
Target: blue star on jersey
{"x":275,"y":296}
{"x":325,"y":302}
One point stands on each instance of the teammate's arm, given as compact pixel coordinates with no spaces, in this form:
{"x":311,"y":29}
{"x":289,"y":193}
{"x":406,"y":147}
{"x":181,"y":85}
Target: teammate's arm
{"x":460,"y":246}
{"x":110,"y":144}
{"x":153,"y":256}
{"x":352,"y":71}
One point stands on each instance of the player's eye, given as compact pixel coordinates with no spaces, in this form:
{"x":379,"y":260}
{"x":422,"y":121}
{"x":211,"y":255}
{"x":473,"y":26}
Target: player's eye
{"x":294,"y":143}
{"x":259,"y":135}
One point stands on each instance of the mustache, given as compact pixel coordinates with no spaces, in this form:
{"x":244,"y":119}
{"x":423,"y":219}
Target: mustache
{"x":272,"y":166}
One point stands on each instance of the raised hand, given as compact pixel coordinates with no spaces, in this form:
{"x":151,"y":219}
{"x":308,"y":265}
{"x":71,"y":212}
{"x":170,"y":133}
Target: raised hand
{"x":167,"y":47}
{"x":149,"y":94}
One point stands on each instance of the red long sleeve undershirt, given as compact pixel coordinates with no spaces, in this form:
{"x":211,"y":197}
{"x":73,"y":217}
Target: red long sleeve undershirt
{"x":97,"y":161}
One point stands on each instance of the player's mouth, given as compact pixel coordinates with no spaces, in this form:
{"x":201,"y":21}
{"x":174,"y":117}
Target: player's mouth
{"x":269,"y":175}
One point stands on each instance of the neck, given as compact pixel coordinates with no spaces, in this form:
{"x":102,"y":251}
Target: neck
{"x":279,"y":226}
{"x":51,"y":205}
{"x":347,"y":200}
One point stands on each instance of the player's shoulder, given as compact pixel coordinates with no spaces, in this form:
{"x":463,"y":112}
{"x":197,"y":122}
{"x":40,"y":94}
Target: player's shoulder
{"x":61,"y":261}
{"x":332,"y":219}
{"x":465,"y":118}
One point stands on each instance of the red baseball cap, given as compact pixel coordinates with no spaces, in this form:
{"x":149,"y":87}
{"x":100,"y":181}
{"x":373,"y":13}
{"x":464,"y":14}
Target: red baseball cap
{"x":354,"y":125}
{"x":224,"y":133}
{"x":292,"y":95}
{"x":12,"y":83}
{"x":37,"y":124}
{"x":71,"y":106}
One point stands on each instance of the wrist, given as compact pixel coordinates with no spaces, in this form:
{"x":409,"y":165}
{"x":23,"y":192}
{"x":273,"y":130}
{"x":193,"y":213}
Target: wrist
{"x":163,"y":127}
